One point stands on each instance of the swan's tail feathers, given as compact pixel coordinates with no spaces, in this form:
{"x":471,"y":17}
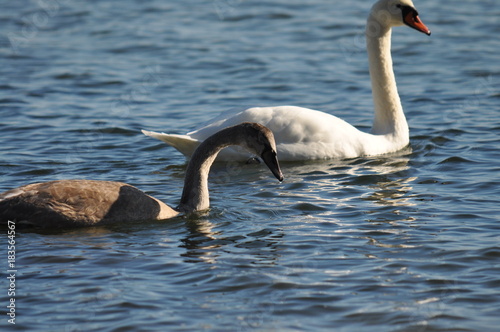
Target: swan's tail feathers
{"x":185,"y":144}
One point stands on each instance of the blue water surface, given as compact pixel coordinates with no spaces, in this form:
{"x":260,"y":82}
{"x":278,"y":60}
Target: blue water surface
{"x":403,"y":242}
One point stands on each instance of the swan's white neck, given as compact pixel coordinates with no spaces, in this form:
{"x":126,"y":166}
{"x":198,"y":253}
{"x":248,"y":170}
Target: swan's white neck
{"x":389,"y":117}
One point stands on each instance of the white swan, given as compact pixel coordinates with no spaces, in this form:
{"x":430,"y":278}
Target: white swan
{"x":305,"y":134}
{"x":70,"y":203}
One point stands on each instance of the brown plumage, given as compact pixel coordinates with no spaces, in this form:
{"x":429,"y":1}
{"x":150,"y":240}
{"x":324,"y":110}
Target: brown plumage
{"x":77,"y":203}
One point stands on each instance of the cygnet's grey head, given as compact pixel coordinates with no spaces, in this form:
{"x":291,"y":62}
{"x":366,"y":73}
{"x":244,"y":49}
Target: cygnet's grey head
{"x":260,"y":141}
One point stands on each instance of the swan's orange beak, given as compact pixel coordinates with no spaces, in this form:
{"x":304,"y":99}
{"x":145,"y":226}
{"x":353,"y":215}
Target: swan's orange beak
{"x":412,"y":20}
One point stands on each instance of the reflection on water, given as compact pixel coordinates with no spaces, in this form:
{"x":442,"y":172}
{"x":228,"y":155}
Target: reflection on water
{"x":384,"y":181}
{"x":393,"y":192}
{"x":200,"y":240}
{"x":205,"y":242}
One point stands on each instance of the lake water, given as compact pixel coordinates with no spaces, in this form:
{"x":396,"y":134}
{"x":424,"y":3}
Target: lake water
{"x":406,"y":242}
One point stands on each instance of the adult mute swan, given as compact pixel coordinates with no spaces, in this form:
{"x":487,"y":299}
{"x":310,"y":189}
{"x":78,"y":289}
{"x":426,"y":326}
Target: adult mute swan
{"x":71,"y":203}
{"x":305,"y":134}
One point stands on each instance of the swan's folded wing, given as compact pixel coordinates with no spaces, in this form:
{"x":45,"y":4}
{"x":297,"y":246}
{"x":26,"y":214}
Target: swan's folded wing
{"x":185,"y":144}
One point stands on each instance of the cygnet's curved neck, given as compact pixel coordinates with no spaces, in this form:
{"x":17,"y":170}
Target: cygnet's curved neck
{"x":195,"y":195}
{"x":389,"y":117}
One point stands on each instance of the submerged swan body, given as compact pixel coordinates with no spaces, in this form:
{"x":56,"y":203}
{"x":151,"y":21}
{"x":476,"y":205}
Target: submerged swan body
{"x":70,"y":203}
{"x":305,"y":134}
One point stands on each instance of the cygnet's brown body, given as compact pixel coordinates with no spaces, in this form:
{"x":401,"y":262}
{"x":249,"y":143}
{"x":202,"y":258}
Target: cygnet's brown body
{"x":71,"y":203}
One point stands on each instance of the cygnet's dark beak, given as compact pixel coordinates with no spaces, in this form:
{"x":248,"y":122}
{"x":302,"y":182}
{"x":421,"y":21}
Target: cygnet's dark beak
{"x":271,"y":159}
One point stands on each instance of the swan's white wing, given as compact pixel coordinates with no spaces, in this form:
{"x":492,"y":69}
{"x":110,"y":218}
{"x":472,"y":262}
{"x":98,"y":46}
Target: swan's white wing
{"x":300,"y":133}
{"x":183,"y":143}
{"x":186,"y":145}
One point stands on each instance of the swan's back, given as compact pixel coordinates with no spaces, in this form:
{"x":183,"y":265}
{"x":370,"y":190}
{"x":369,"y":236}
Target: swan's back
{"x":300,"y":133}
{"x":289,"y":124}
{"x":67,"y":203}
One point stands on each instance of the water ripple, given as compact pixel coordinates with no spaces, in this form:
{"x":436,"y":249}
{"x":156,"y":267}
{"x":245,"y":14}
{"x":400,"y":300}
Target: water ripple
{"x":403,"y":242}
